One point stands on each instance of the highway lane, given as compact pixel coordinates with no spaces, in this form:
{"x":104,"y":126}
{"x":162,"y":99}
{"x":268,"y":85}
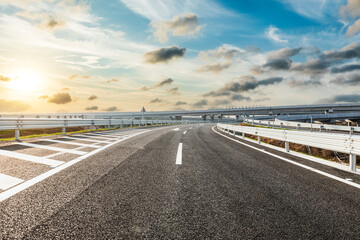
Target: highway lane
{"x":221,"y":189}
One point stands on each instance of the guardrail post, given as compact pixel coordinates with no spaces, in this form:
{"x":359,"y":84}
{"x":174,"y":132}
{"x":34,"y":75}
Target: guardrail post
{"x":352,"y":161}
{"x":64,"y":131}
{"x":109,"y":124}
{"x":243,"y":134}
{"x":287,"y":146}
{"x":259,"y":139}
{"x":297,"y":126}
{"x":17,"y":134}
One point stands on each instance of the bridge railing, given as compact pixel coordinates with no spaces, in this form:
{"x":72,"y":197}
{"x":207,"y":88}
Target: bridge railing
{"x":345,"y":143}
{"x":298,"y":125}
{"x":18,"y":124}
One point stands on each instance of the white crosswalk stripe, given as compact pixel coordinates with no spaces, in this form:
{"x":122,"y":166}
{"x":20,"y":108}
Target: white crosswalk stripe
{"x":8,"y":181}
{"x":30,"y":158}
{"x":52,"y":148}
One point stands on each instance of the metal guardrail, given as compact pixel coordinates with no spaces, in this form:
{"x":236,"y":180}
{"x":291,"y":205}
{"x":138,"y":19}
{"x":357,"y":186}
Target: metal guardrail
{"x":18,"y":124}
{"x":320,"y":127}
{"x":345,"y":143}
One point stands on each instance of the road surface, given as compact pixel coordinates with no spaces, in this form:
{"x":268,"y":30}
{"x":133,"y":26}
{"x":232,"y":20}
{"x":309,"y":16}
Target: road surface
{"x":140,"y":183}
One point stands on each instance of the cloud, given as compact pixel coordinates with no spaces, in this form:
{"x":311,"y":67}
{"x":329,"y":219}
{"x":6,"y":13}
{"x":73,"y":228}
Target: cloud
{"x":200,"y":103}
{"x":156,"y":100}
{"x":187,"y":24}
{"x":350,"y":80}
{"x":111,"y":80}
{"x":345,"y":68}
{"x":244,"y":84}
{"x":78,"y":76}
{"x":350,"y":98}
{"x":272,"y":33}
{"x":164,"y":82}
{"x":348,"y":52}
{"x":215,"y":68}
{"x":285,"y":52}
{"x":225,"y":51}
{"x":313,"y":66}
{"x":43,"y":97}
{"x":92,"y":108}
{"x":352,"y":9}
{"x":4,"y":78}
{"x":256,"y":70}
{"x":51,"y":23}
{"x":13,"y":106}
{"x":239,"y":97}
{"x":304,"y":84}
{"x":179,"y":103}
{"x":278,"y":64}
{"x":164,"y":55}
{"x":353,"y":29}
{"x":222,"y":102}
{"x":92,"y":97}
{"x":111,"y":109}
{"x":174,"y":90}
{"x":60,"y":98}
{"x":65,"y":89}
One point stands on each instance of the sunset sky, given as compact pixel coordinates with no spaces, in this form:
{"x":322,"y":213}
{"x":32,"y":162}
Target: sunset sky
{"x":120,"y":55}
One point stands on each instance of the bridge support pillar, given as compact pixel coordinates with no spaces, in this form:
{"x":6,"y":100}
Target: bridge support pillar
{"x":352,"y":160}
{"x":17,"y":134}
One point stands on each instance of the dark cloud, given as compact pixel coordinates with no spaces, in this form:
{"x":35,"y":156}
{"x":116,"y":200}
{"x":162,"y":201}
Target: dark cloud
{"x":341,"y":99}
{"x":179,"y":103}
{"x":167,"y":81}
{"x":4,"y":79}
{"x":60,"y":98}
{"x":174,"y":90}
{"x":51,"y":23}
{"x":215,"y":68}
{"x":111,"y":109}
{"x":285,"y":52}
{"x":164,"y":82}
{"x":244,"y":84}
{"x":216,"y":94}
{"x":307,"y":83}
{"x":222,"y":102}
{"x":93,"y":108}
{"x":238,"y":97}
{"x":348,"y":52}
{"x":345,"y":68}
{"x":13,"y":106}
{"x":92,"y":97}
{"x":201,"y":103}
{"x":350,"y":79}
{"x":313,"y":66}
{"x":156,"y":100}
{"x":164,"y":55}
{"x":278,"y":64}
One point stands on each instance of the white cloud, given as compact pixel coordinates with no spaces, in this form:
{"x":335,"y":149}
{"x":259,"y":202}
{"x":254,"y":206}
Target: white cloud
{"x":161,"y":10}
{"x":272,"y":33}
{"x":314,"y":9}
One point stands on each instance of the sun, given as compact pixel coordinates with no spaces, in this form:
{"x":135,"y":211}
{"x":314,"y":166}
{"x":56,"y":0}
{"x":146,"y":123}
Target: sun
{"x":25,"y":81}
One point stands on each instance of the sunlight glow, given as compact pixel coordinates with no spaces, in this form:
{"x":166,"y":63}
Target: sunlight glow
{"x":25,"y":81}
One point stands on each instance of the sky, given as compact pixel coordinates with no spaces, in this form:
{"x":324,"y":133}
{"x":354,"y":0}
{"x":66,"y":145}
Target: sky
{"x":119,"y":55}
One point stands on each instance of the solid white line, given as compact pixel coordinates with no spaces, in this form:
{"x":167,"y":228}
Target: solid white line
{"x":12,"y":191}
{"x":8,"y":181}
{"x":52,"y":148}
{"x":293,"y":162}
{"x":179,"y":155}
{"x":72,"y":143}
{"x":31,"y":158}
{"x":185,"y":132}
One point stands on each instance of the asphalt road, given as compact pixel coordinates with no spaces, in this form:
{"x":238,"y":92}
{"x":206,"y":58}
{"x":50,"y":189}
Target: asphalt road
{"x":222,"y":190}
